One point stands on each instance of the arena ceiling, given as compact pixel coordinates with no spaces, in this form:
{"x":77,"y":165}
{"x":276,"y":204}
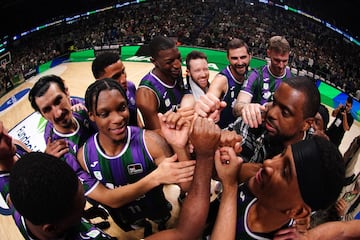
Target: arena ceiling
{"x":20,"y":15}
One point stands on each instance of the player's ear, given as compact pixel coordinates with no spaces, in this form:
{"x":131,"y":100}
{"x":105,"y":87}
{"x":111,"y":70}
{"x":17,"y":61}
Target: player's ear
{"x":50,"y":228}
{"x":308,"y":123}
{"x":301,"y":212}
{"x":91,"y":116}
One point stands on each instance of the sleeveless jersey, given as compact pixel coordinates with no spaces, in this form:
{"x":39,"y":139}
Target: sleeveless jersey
{"x":75,"y":140}
{"x":83,"y":231}
{"x":130,"y":94}
{"x":234,"y":87}
{"x":168,"y":97}
{"x":133,"y":163}
{"x":245,"y":200}
{"x":261,"y":84}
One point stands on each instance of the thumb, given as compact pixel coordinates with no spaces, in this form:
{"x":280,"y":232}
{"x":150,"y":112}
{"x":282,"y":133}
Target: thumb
{"x":223,"y":104}
{"x":172,"y":158}
{"x":160,"y":116}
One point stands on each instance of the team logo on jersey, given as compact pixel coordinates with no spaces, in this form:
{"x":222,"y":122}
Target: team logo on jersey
{"x":98,"y":175}
{"x":93,"y":233}
{"x":167,"y":102}
{"x":266,"y":85}
{"x":267,"y":95}
{"x":135,"y":168}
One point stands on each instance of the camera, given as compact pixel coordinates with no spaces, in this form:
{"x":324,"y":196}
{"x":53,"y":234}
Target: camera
{"x":342,"y":108}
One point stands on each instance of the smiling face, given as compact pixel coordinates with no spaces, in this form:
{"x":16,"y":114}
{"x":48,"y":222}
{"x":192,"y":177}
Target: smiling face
{"x":277,"y":181}
{"x":285,"y":117}
{"x":168,"y":64}
{"x":54,"y":105}
{"x":199,"y":72}
{"x":239,"y":60}
{"x":111,"y":116}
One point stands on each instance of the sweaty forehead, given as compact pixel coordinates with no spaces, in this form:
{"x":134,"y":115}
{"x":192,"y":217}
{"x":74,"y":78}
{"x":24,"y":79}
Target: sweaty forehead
{"x":289,"y":97}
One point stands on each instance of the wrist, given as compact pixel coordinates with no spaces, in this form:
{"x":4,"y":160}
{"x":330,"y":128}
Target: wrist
{"x":204,"y":155}
{"x":239,"y":106}
{"x":155,"y":180}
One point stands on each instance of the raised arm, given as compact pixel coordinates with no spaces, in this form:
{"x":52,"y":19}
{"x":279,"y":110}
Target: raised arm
{"x":227,"y":167}
{"x":168,"y":172}
{"x":205,"y":137}
{"x":250,"y":112}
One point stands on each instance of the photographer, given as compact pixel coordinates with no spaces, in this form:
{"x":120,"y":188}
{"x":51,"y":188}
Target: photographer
{"x":342,"y":122}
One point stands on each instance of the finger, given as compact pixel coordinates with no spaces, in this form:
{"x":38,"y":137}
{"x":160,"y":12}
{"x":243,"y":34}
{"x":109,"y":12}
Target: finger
{"x":185,"y":164}
{"x":186,"y":179}
{"x":162,"y":117}
{"x":172,"y":158}
{"x":217,"y":158}
{"x":63,"y":151}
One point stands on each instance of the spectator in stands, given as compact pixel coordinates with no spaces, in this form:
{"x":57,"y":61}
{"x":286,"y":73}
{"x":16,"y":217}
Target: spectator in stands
{"x":342,"y":122}
{"x":320,"y":123}
{"x":261,"y":84}
{"x":109,"y":65}
{"x":227,"y":84}
{"x":162,"y":88}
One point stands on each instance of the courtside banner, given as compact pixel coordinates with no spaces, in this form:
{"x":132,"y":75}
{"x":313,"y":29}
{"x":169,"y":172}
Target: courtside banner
{"x":31,"y":132}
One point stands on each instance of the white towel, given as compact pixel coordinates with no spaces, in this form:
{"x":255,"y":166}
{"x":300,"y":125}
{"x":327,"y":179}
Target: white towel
{"x":196,"y":89}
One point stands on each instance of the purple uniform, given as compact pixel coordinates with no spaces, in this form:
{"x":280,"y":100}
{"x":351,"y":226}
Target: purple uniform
{"x":244,"y":201}
{"x":229,"y":97}
{"x":168,"y":97}
{"x":261,"y":84}
{"x":75,"y":140}
{"x":130,"y":94}
{"x":133,"y":163}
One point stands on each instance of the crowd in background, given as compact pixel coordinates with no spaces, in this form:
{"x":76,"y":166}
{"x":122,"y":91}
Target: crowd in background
{"x":314,"y":47}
